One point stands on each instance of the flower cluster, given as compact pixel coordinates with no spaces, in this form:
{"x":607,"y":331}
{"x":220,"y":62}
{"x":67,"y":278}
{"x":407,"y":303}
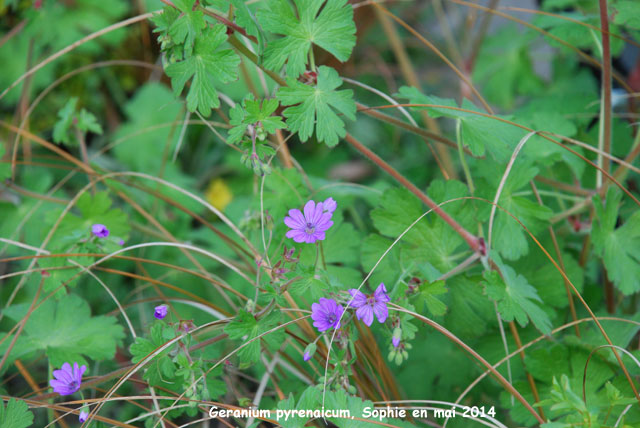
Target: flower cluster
{"x":312,"y":225}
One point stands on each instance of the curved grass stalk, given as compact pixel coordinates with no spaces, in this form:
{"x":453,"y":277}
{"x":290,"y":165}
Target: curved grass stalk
{"x":503,"y":180}
{"x":475,"y":355}
{"x":435,"y":50}
{"x":543,"y":134}
{"x":528,"y":345}
{"x":585,"y":56}
{"x":229,"y":355}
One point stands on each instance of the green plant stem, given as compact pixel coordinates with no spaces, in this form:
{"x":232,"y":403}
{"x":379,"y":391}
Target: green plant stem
{"x":470,"y":239}
{"x":463,"y":160}
{"x":312,"y":59}
{"x":606,"y":83}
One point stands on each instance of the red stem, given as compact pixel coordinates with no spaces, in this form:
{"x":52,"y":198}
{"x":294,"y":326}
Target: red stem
{"x":472,"y":240}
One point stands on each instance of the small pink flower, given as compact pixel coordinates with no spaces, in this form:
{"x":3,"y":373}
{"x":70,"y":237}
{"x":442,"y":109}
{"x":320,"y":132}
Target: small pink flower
{"x":67,"y":380}
{"x":310,"y":226}
{"x":100,"y":230}
{"x":160,"y":311}
{"x":367,"y":306}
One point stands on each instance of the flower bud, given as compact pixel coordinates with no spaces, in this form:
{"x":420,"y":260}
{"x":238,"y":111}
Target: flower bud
{"x":309,"y":351}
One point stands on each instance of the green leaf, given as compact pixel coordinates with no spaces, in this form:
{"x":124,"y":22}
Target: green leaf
{"x":372,"y":248}
{"x":69,"y":119}
{"x":426,"y":296}
{"x":430,"y":240}
{"x":618,"y":247}
{"x":332,"y":29}
{"x":93,"y":209}
{"x":626,"y":13}
{"x":253,"y":112}
{"x":516,"y":298}
{"x":245,"y":327}
{"x":469,"y":310}
{"x":505,"y":80}
{"x":206,"y":62}
{"x":63,"y":125}
{"x":480,"y":133}
{"x":316,"y":105}
{"x":339,"y":400}
{"x":16,"y":414}
{"x":509,"y":238}
{"x":160,"y":371}
{"x":66,"y":331}
{"x":188,"y":25}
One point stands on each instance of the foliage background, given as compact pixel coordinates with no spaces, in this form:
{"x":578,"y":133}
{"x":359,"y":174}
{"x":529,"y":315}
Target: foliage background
{"x":191,"y":133}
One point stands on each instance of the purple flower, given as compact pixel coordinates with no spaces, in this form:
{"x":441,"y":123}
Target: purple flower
{"x":367,"y":306}
{"x":306,"y":356}
{"x":329,"y":205}
{"x":160,"y":311}
{"x":100,"y":230}
{"x":311,"y":226}
{"x":395,"y":341}
{"x":121,"y":242}
{"x":67,"y":381}
{"x":83,"y":416}
{"x":326,"y":314}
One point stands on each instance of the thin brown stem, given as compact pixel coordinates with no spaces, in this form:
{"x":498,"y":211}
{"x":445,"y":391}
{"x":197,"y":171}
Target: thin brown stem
{"x":441,"y":155}
{"x":532,"y":382}
{"x":556,"y":247}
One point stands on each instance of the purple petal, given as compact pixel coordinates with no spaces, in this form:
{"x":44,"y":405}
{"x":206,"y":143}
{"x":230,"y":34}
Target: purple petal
{"x":395,"y":341}
{"x":381,"y":311}
{"x":61,"y":388}
{"x":329,"y":205}
{"x":309,"y":211}
{"x":318,"y":213}
{"x":365,"y":313}
{"x":67,"y":368}
{"x":297,"y":235}
{"x":309,"y":239}
{"x":381,"y":293}
{"x":319,"y":236}
{"x":83,"y":416}
{"x":315,"y":310}
{"x":324,"y":222}
{"x":328,"y":305}
{"x":63,"y":375}
{"x":293,"y":223}
{"x":306,"y":356}
{"x":359,"y":298}
{"x":100,"y":230}
{"x":296,"y":217}
{"x":321,"y":325}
